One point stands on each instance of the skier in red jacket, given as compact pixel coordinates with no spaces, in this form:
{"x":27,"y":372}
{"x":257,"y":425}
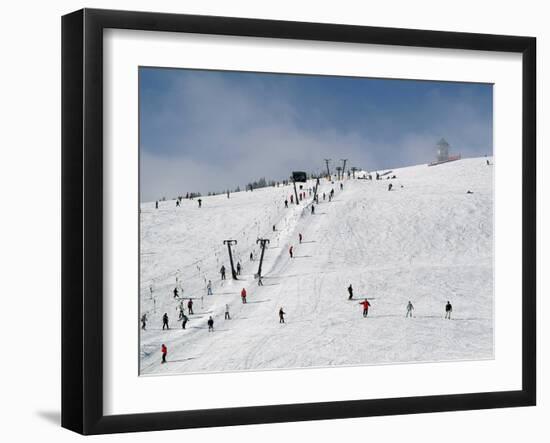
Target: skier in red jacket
{"x":366,"y":305}
{"x":164,"y":351}
{"x":243,"y":295}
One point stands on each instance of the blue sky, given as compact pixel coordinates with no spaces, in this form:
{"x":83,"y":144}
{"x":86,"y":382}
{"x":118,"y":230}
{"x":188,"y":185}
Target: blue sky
{"x":212,"y":130}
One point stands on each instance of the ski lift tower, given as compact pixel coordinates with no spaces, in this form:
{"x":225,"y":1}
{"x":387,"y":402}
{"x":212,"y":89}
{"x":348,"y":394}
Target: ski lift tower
{"x":298,"y":176}
{"x":442,"y":150}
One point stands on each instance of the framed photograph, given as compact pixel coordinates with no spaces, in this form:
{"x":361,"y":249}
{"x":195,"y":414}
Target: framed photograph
{"x":269,"y":221}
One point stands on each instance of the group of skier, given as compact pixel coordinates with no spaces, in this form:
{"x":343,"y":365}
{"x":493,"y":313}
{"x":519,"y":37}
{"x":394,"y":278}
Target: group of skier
{"x":366,"y":305}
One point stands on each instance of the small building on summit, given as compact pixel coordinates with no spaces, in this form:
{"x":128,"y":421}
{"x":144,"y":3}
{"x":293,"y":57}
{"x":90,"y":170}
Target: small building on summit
{"x":443,"y":155}
{"x":442,"y":150}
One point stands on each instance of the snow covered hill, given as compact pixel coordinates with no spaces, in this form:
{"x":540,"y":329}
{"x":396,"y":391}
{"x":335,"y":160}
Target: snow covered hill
{"x":427,"y":241}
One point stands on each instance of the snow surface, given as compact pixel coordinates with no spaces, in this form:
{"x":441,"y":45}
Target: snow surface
{"x":428,"y":242}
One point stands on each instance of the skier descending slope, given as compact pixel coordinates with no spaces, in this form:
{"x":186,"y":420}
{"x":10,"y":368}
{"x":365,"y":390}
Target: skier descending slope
{"x":448,"y":310}
{"x":281,"y":315}
{"x":290,"y":252}
{"x":243,"y":296}
{"x":300,"y":238}
{"x":410,"y":308}
{"x":366,"y":306}
{"x":350,"y":291}
{"x":164,"y":351}
{"x":143,"y":321}
{"x":185,"y":319}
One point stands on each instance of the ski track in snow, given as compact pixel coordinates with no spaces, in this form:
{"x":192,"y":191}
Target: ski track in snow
{"x":427,"y":242}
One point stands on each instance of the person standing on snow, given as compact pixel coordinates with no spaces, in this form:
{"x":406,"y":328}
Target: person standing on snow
{"x":209,"y":288}
{"x":448,"y":310}
{"x":164,"y":351}
{"x":291,"y":199}
{"x":143,"y":321}
{"x":238,"y":268}
{"x":210,"y":324}
{"x":156,"y":205}
{"x":190,"y":306}
{"x":341,"y":186}
{"x":312,"y":209}
{"x":243,"y":295}
{"x":222,"y":272}
{"x":365,"y":305}
{"x":300,"y":237}
{"x":227,"y":316}
{"x":290,"y":251}
{"x":200,"y":202}
{"x":281,"y":315}
{"x":165,"y":321}
{"x":350,"y":291}
{"x":286,"y":203}
{"x":185,"y":319}
{"x":410,"y":308}
{"x":251,"y":256}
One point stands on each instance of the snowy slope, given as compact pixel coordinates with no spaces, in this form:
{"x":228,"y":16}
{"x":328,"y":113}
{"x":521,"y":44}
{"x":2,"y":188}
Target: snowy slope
{"x":428,"y":242}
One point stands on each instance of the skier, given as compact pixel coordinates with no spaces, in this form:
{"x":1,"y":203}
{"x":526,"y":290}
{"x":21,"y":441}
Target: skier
{"x":286,"y":203}
{"x":238,"y":268}
{"x":291,"y":199}
{"x":273,"y":228}
{"x":227,"y":316}
{"x":190,"y":306}
{"x":341,"y":186}
{"x":200,"y":202}
{"x":209,"y":288}
{"x":251,"y":256}
{"x":176,"y":295}
{"x":177,"y":203}
{"x":227,"y":194}
{"x":243,"y":295}
{"x":448,"y":310}
{"x":389,"y":187}
{"x":281,"y":315}
{"x":156,"y":205}
{"x":185,"y":319}
{"x":165,"y":321}
{"x":312,"y":209}
{"x":410,"y":308}
{"x":222,"y":272}
{"x":164,"y":351}
{"x":300,"y":237}
{"x":350,"y":291}
{"x":290,"y":251}
{"x":377,"y":176}
{"x":366,"y":305}
{"x":210,"y":324}
{"x":143,"y":321}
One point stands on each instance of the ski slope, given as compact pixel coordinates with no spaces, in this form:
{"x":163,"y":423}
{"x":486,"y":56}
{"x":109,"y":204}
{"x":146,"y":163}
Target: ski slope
{"x":427,"y":241}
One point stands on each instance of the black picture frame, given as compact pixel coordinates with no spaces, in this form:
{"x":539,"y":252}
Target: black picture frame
{"x":82,"y":220}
